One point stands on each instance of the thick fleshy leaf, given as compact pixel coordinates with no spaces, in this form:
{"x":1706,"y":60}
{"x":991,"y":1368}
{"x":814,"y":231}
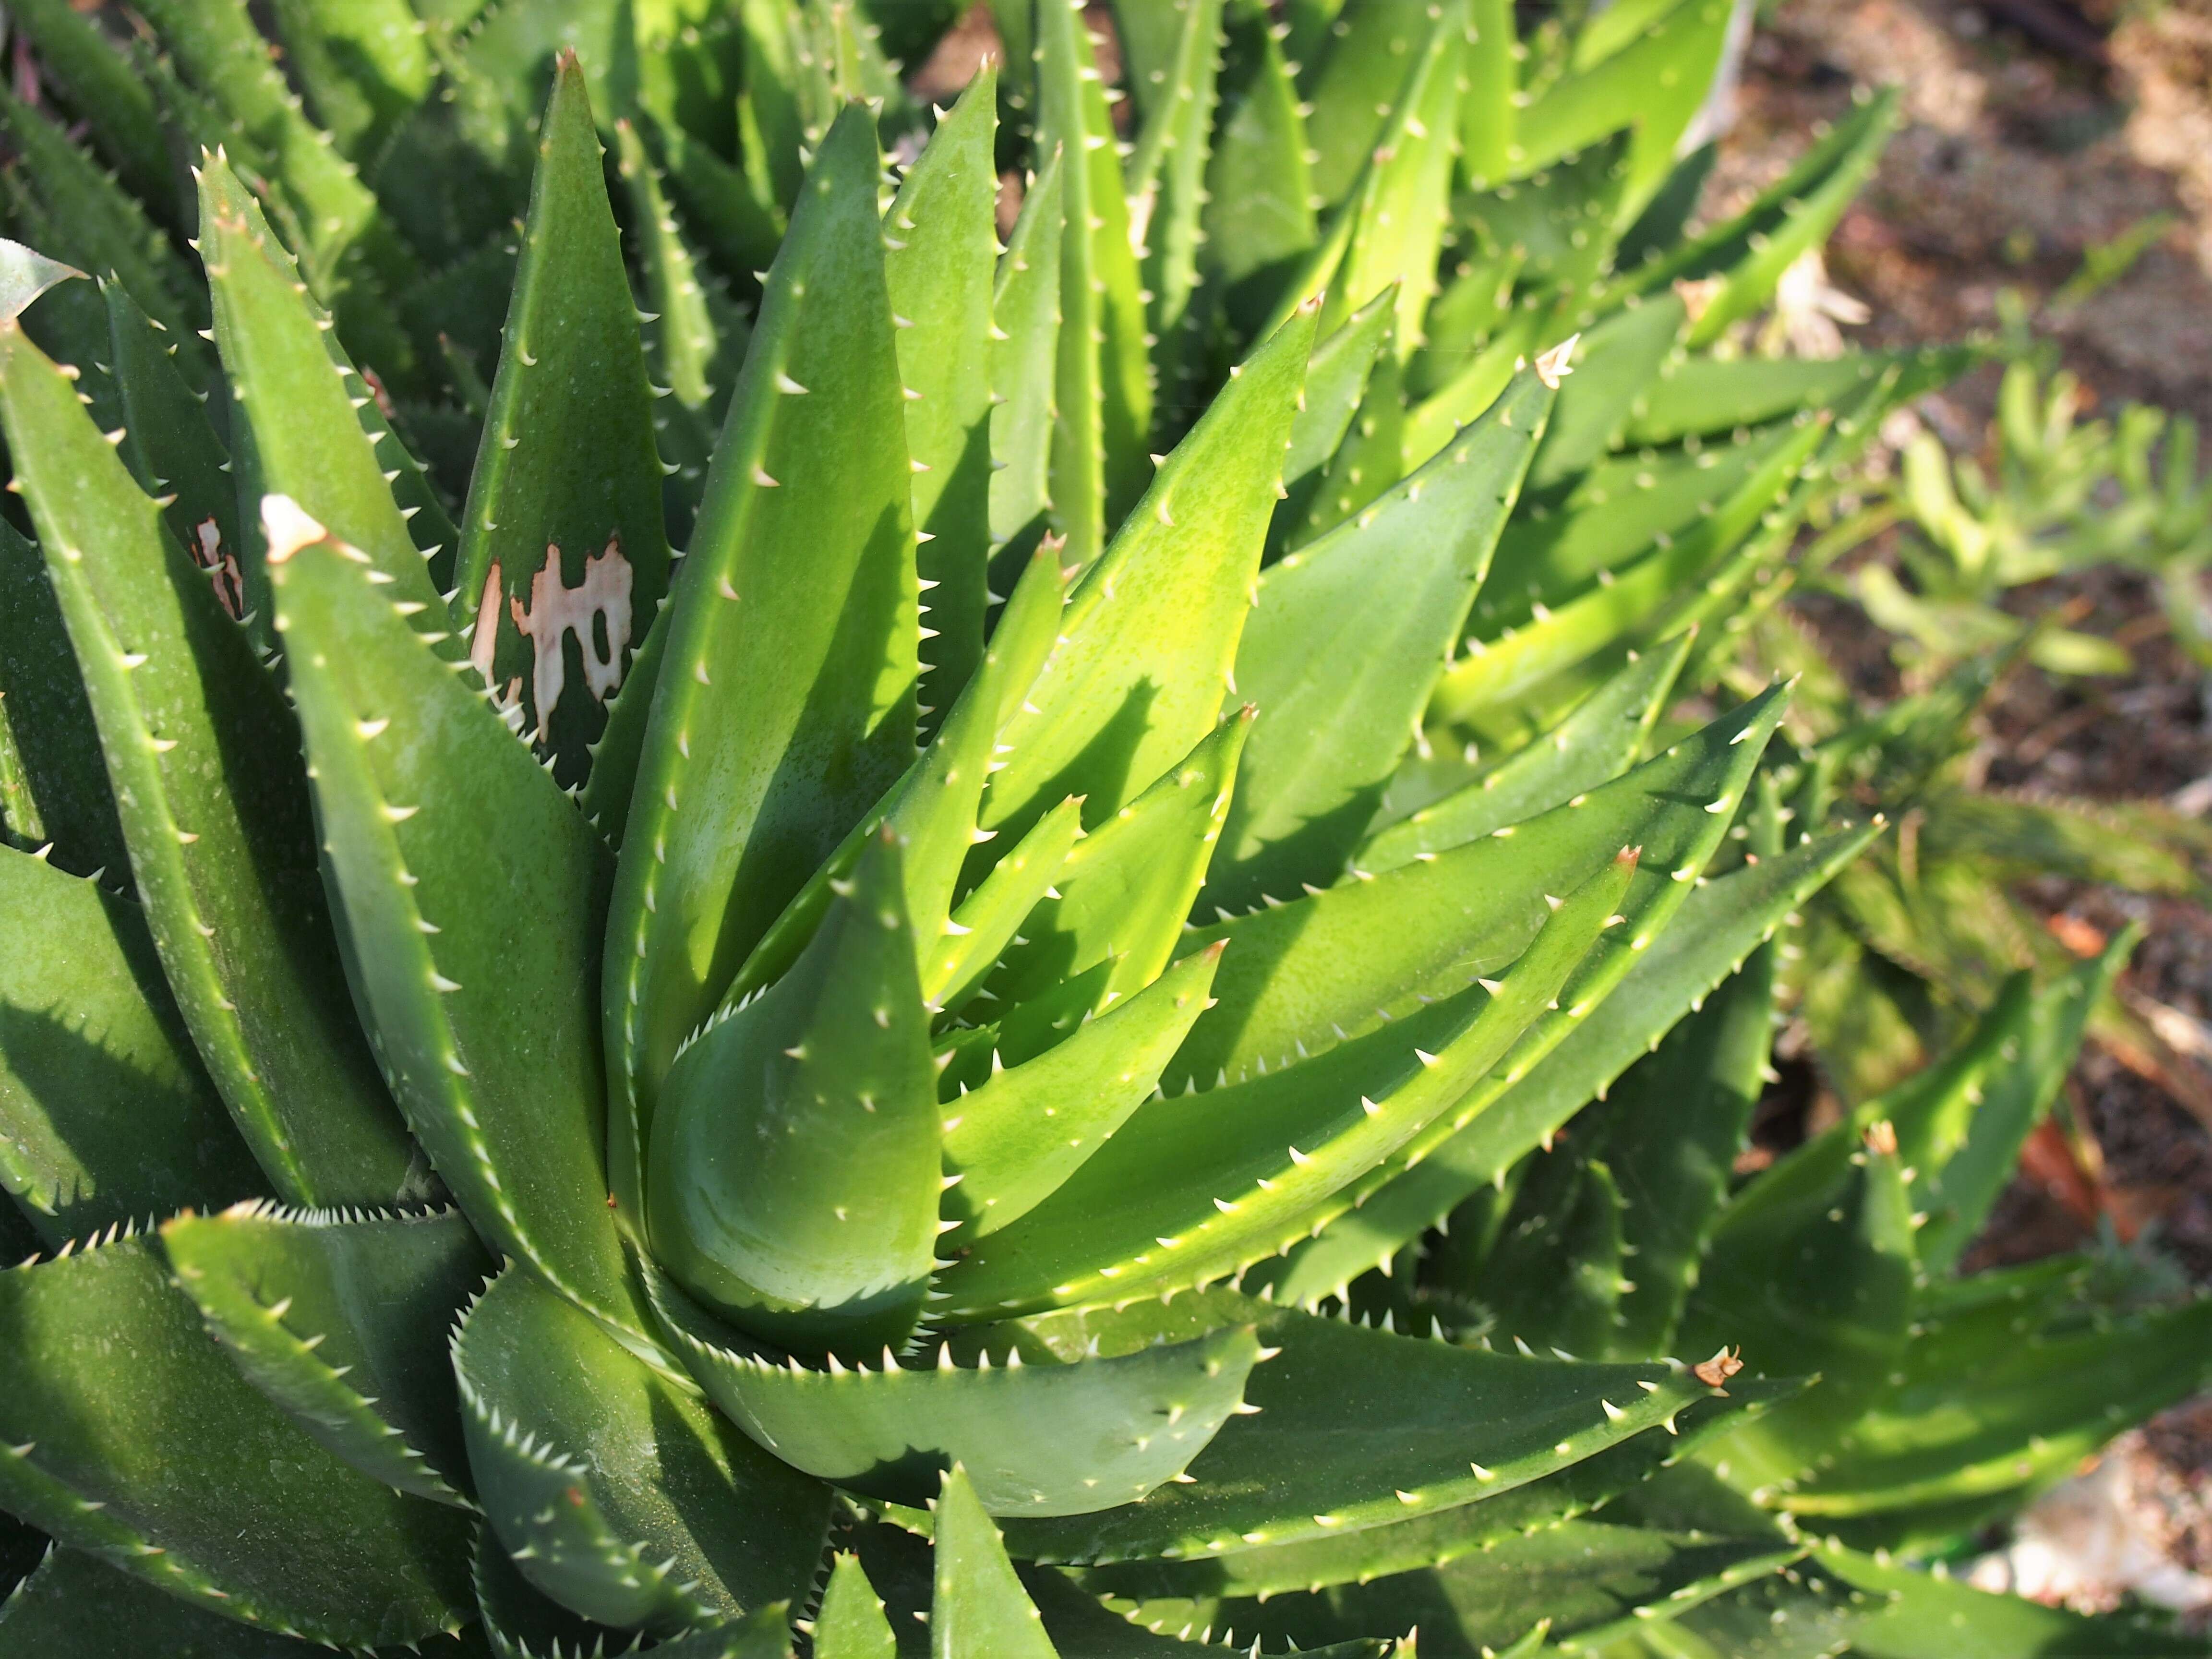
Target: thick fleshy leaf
{"x":1598,"y":740}
{"x":1354,"y":1428}
{"x":1671,"y":1131}
{"x":365,"y":65}
{"x":1554,"y":1277}
{"x":851,"y":1624}
{"x":1809,"y":1271}
{"x":98,"y":228}
{"x":171,"y":448}
{"x":1015,"y":1140}
{"x":1615,"y":361}
{"x":2010,"y":1381}
{"x":1197,"y":1187}
{"x":1058,"y":1431}
{"x":54,"y":790}
{"x":1125,"y":892}
{"x":1103,"y":414}
{"x":980,"y":1610}
{"x":75,"y":1607}
{"x":791,"y":640}
{"x":1437,"y":1536}
{"x":1259,"y":216}
{"x":1166,"y":186}
{"x":1718,"y":925}
{"x":793,"y":1177}
{"x":174,"y":1468}
{"x":106,"y":1113}
{"x":1151,"y":632}
{"x":1336,"y":384}
{"x":519,"y":1622}
{"x":939,"y":266}
{"x":1661,"y":77}
{"x":1496,"y":682}
{"x":1382,"y":598}
{"x":619,"y":1495}
{"x":342,"y":1322}
{"x":1339,"y":964}
{"x":351,"y":251}
{"x":294,"y":428}
{"x":1024,"y":365}
{"x":200,"y":749}
{"x":480,"y":1013}
{"x":562,"y":537}
{"x":76,"y":59}
{"x":1357,"y":86}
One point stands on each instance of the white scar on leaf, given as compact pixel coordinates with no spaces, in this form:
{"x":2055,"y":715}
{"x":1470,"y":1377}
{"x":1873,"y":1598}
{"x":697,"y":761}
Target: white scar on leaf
{"x":556,"y":609}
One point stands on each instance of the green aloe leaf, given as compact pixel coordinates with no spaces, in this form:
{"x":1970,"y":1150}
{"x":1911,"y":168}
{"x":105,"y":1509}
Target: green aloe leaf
{"x":1012,"y":1142}
{"x":1339,"y":964}
{"x":1437,"y":1536}
{"x":342,"y":1323}
{"x":1700,"y":397}
{"x":851,"y":1624}
{"x":54,"y":790}
{"x":170,"y":446}
{"x":364,"y":64}
{"x":104,"y":229}
{"x":521,"y":1623}
{"x":1556,"y":229}
{"x":176,"y":1469}
{"x":812,"y":702}
{"x":1024,"y":365}
{"x":1203,"y":1187}
{"x":1501,"y":676}
{"x":793,"y":1176}
{"x":1616,"y":360}
{"x":1598,"y":740}
{"x":1357,"y":86}
{"x":1719,"y":925}
{"x":294,"y":428}
{"x":1398,"y":208}
{"x":1125,"y":892}
{"x":1809,"y":1271}
{"x":1336,"y":384}
{"x":940,"y":265}
{"x":1371,"y":455}
{"x":978,"y":933}
{"x":1150,"y":631}
{"x":1355,"y":1428}
{"x":1555,"y":1278}
{"x":1166,"y":188}
{"x":562,"y":535}
{"x":73,"y":1606}
{"x":351,"y":253}
{"x":1259,"y":214}
{"x":1933,"y":1618}
{"x":76,"y":59}
{"x":198,"y":744}
{"x":106,"y":1113}
{"x":1052,"y":1432}
{"x":1661,"y":76}
{"x":482,"y":1014}
{"x":932,"y":810}
{"x":620,"y":1496}
{"x":695,"y":341}
{"x":1671,"y":1130}
{"x":980,"y":1610}
{"x":1104,"y":412}
{"x":1595,"y":530}
{"x":1962,"y":1169}
{"x":2010,"y":1381}
{"x":1382,"y":598}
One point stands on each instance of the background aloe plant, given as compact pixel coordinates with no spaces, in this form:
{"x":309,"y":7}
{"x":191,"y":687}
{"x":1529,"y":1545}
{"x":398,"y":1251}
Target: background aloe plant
{"x":698,"y":1099}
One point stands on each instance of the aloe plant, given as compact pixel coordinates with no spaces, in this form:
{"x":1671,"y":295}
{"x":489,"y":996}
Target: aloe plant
{"x":854,"y":1082}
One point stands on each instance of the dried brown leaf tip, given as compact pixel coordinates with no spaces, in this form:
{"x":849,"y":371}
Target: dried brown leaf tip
{"x":1716,"y":1370}
{"x":1881,"y":1137}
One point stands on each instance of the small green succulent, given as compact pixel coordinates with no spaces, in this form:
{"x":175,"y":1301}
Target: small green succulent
{"x":717,"y":1100}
